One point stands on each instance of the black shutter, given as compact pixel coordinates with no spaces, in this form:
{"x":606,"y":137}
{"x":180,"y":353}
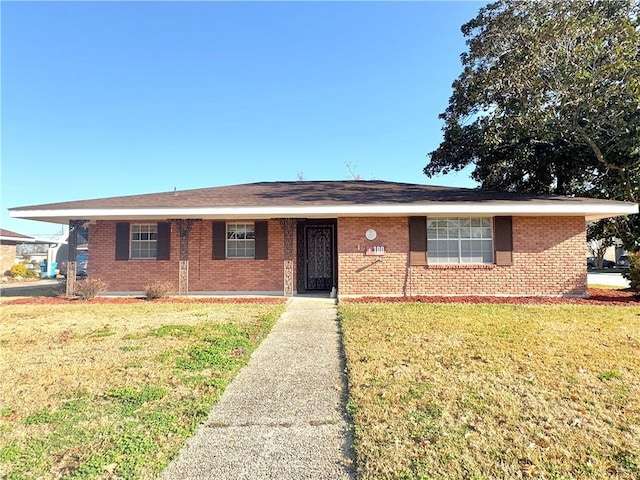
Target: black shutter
{"x":164,"y":236}
{"x":122,"y":241}
{"x":219,"y":240}
{"x":503,"y":241}
{"x":262,"y":240}
{"x":417,"y":240}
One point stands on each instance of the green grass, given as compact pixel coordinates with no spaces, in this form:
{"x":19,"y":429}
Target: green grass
{"x":606,"y":287}
{"x":113,"y":391}
{"x":452,"y":391}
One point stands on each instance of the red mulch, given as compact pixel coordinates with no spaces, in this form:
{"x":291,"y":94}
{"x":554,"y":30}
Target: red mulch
{"x":130,"y":300}
{"x":597,"y":296}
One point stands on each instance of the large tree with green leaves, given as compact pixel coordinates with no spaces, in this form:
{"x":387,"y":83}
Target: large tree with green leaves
{"x":548,"y":101}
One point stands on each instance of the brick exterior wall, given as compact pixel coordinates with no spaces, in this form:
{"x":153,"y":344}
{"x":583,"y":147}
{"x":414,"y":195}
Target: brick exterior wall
{"x":205,"y":274}
{"x":548,"y":260}
{"x":7,"y":257}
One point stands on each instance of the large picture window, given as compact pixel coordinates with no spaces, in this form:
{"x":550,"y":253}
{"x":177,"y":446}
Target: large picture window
{"x":144,"y":241}
{"x":460,"y":240}
{"x":241,"y":240}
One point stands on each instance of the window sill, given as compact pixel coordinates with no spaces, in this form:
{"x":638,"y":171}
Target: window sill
{"x":461,"y":266}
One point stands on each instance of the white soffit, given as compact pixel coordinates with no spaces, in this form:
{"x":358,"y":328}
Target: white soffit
{"x":589,"y":211}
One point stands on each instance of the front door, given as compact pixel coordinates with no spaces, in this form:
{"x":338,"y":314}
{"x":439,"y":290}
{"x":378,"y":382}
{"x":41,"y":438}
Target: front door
{"x":319,"y":257}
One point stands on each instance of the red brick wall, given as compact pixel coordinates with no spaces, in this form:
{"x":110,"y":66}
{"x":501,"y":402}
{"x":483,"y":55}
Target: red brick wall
{"x":205,"y":274}
{"x":548,"y":259}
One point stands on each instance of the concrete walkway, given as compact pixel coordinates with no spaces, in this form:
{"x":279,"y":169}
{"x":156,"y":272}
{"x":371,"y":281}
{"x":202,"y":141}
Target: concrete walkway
{"x":283,"y":416}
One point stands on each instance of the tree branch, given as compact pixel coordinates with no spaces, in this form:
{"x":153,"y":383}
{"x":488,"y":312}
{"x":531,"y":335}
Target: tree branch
{"x":600,"y":157}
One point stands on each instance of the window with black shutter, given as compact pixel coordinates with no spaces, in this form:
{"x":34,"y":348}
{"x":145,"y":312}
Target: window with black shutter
{"x":417,"y":241}
{"x":240,"y":240}
{"x":262,"y":240}
{"x":163,"y":251}
{"x":503,"y":232}
{"x":143,"y":241}
{"x":219,"y":239}
{"x":122,"y":241}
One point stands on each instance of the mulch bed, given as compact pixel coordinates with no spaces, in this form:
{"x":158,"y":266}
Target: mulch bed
{"x":597,"y":296}
{"x":133,"y":300}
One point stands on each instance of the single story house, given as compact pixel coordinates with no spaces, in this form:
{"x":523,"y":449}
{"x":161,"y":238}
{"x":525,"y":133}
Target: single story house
{"x":8,"y":248}
{"x":357,"y":237}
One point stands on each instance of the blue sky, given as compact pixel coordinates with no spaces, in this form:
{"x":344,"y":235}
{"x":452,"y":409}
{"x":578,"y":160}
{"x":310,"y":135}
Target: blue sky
{"x":104,"y":99}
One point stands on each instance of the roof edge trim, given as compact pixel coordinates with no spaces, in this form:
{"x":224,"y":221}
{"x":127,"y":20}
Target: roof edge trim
{"x":493,"y":208}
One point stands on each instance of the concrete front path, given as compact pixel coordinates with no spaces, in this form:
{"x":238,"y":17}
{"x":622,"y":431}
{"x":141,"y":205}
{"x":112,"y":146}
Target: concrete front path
{"x":283,"y":416}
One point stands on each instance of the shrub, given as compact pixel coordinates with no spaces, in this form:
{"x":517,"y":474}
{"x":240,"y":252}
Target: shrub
{"x":32,"y":273}
{"x":158,"y":289}
{"x":633,"y":274}
{"x":19,"y":270}
{"x":89,"y":287}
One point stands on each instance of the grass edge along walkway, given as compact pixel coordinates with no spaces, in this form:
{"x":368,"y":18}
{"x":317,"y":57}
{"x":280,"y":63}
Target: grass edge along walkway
{"x":283,"y":416}
{"x":453,"y":391}
{"x":93,"y":390}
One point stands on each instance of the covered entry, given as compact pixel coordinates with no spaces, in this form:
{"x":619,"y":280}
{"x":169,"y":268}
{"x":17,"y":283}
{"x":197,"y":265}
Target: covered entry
{"x":317,"y":255}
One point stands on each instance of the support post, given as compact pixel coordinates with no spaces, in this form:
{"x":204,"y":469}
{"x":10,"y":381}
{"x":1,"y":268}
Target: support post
{"x":72,"y":243}
{"x":184,"y":226}
{"x":288,"y":228}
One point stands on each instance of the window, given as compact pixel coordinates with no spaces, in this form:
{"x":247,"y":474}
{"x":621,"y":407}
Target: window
{"x":241,"y":240}
{"x":144,"y":241}
{"x":460,"y":240}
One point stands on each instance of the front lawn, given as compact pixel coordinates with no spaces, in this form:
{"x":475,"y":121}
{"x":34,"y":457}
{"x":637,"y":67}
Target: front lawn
{"x":454,"y":391}
{"x":91,"y":390}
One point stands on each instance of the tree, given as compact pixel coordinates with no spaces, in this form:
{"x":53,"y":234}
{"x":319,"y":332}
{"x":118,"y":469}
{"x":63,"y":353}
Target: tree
{"x":548,"y":101}
{"x":600,"y":236}
{"x":352,"y":167}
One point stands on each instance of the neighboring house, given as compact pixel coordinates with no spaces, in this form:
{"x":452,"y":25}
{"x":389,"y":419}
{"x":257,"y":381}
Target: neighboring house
{"x":9,"y":242}
{"x":61,"y":254}
{"x":359,"y":237}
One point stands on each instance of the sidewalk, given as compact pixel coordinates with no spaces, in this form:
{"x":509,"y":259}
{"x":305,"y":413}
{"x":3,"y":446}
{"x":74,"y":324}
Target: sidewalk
{"x":283,"y":416}
{"x":614,"y":279}
{"x":36,"y":288}
{"x":32,"y":284}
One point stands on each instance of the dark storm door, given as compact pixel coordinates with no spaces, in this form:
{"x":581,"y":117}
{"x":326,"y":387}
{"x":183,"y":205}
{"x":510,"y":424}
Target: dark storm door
{"x":319,"y":253}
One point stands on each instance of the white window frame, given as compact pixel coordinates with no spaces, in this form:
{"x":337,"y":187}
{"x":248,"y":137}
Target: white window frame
{"x":465,"y":240}
{"x":240,"y":240}
{"x":145,"y":246}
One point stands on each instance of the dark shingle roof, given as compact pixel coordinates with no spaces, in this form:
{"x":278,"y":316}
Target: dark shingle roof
{"x":305,"y":193}
{"x":321,"y":199}
{"x":10,"y":234}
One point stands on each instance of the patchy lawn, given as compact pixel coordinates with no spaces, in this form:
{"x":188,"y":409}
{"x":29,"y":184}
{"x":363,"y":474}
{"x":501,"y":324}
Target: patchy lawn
{"x":614,"y":296}
{"x":92,"y":390}
{"x":453,"y":391}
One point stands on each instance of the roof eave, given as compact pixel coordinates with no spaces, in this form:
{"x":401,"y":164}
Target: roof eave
{"x":589,"y":211}
{"x":19,"y":240}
